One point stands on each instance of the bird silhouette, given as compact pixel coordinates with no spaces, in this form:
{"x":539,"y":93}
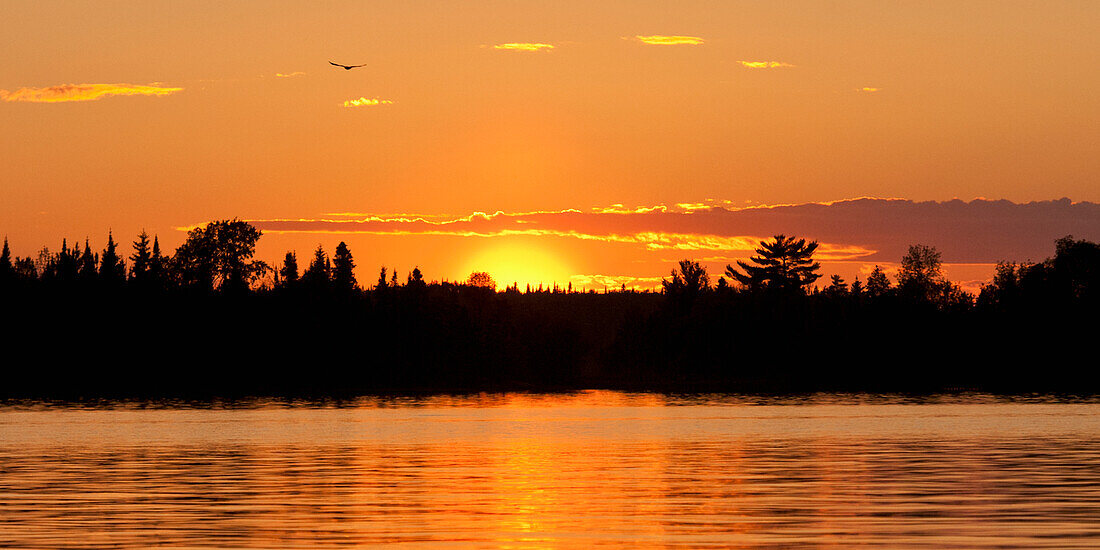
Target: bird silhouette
{"x":346,"y":67}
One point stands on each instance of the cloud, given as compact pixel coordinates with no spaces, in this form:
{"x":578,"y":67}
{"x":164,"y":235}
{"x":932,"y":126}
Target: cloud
{"x":764,"y":64}
{"x":614,"y":281}
{"x":869,"y":90}
{"x":82,"y":92}
{"x":524,"y":47}
{"x":364,"y":102}
{"x":289,"y":75}
{"x":871,"y":230}
{"x":664,"y":40}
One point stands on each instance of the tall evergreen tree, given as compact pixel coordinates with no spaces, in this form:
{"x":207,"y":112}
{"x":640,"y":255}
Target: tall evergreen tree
{"x":158,"y":266}
{"x":289,"y":271}
{"x":7,"y":270}
{"x":382,"y":284}
{"x":781,"y":264}
{"x":877,"y":283}
{"x":317,"y":275}
{"x":140,"y":259}
{"x":343,"y":275}
{"x":112,"y":268}
{"x":88,"y":272}
{"x":837,"y":286}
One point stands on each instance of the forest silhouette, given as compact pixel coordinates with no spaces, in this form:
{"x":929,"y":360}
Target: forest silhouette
{"x":209,"y":320}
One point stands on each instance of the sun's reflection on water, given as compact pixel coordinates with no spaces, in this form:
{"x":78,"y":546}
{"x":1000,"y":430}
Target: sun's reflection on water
{"x":553,"y":471}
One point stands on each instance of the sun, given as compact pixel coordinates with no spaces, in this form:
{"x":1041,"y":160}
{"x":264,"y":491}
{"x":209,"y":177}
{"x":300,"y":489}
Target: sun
{"x":520,"y":262}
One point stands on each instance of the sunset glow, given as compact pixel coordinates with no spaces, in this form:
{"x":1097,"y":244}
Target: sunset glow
{"x":619,"y":136}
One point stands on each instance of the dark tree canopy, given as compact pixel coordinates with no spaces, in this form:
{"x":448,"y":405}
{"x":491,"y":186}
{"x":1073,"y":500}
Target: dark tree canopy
{"x":343,"y":275}
{"x":217,"y":256}
{"x":877,"y":283}
{"x":785,"y":263}
{"x":112,"y":268}
{"x":318,"y":274}
{"x":689,"y":282}
{"x":141,"y":258}
{"x":289,"y":271}
{"x":481,"y":279}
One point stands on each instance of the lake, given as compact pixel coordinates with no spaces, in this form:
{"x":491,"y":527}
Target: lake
{"x":583,"y":470}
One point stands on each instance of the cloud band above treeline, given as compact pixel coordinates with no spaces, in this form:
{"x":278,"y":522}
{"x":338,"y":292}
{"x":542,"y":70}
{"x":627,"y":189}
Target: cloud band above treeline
{"x":867,"y":229}
{"x":83,"y":92}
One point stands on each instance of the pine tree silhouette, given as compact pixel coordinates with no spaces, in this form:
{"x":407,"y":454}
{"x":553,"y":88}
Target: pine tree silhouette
{"x":343,"y":275}
{"x":782,"y":264}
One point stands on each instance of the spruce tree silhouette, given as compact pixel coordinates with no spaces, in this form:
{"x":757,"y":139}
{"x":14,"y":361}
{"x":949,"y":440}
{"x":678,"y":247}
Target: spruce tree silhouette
{"x":7,"y":269}
{"x":343,"y":275}
{"x":317,"y":276}
{"x":877,"y":283}
{"x":289,"y":271}
{"x":88,"y":272}
{"x":158,"y":267}
{"x":112,"y":268}
{"x":140,"y":260}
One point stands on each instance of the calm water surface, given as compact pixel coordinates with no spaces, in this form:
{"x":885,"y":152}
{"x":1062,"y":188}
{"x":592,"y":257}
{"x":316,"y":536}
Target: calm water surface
{"x":550,"y":471}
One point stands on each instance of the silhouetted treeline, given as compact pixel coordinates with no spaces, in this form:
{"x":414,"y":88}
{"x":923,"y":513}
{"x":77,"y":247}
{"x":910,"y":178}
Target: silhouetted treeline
{"x":209,"y":320}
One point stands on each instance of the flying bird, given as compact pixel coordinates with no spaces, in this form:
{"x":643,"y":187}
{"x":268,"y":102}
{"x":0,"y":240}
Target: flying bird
{"x":346,"y":67}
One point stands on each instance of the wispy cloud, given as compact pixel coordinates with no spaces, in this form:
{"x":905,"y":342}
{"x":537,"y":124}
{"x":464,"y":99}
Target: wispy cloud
{"x":524,"y":47}
{"x":82,"y":92}
{"x":289,"y":75}
{"x":614,"y":281}
{"x":869,"y":90}
{"x":764,"y":64}
{"x":666,"y":40}
{"x":868,"y":229}
{"x":364,"y":102}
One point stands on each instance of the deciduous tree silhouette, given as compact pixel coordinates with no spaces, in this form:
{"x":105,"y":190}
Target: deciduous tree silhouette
{"x":217,"y":256}
{"x":481,"y":279}
{"x":921,"y":273}
{"x":781,"y":264}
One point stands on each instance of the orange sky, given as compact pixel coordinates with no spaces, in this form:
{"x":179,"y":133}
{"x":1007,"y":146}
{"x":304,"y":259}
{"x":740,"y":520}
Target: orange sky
{"x":163,"y":115}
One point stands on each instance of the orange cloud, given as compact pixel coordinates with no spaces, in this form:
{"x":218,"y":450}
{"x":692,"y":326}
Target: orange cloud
{"x":869,"y":89}
{"x":614,"y":281}
{"x":82,"y":92}
{"x":764,"y":64}
{"x":364,"y":102}
{"x":524,"y":46}
{"x":664,"y":40}
{"x":868,"y":229}
{"x":288,"y":75}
